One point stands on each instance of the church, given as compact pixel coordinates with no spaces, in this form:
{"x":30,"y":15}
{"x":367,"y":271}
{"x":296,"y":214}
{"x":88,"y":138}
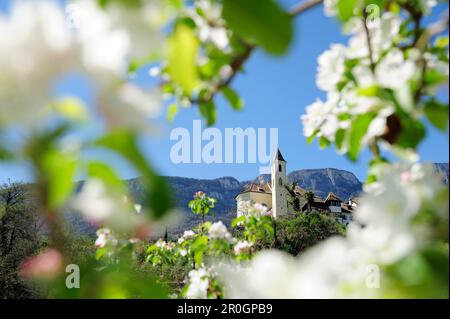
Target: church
{"x":277,"y":198}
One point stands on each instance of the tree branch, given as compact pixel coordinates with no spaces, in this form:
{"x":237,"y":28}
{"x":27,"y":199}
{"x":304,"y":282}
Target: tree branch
{"x":238,"y":62}
{"x":369,"y":41}
{"x":303,"y":6}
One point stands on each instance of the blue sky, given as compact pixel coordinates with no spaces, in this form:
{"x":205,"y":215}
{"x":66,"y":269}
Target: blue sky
{"x":276,"y":91}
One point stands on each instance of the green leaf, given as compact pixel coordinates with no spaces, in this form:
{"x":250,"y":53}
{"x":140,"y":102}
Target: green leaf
{"x":433,"y":77}
{"x":339,"y":138}
{"x":311,"y":138}
{"x":346,"y":9}
{"x":59,"y":169}
{"x":412,"y":132}
{"x":172,"y":111}
{"x":441,"y":42}
{"x":357,"y":132}
{"x":71,"y":108}
{"x":208,"y":111}
{"x":263,"y":22}
{"x":199,"y":246}
{"x":183,"y":46}
{"x":233,"y":98}
{"x":237,"y":221}
{"x":104,"y":172}
{"x":369,"y":91}
{"x":437,"y":113}
{"x":157,"y":192}
{"x":100,"y":253}
{"x":323,"y":142}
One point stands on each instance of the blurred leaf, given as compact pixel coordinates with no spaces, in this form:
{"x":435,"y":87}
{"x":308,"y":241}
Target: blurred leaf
{"x":437,"y":113}
{"x":346,"y":9}
{"x":104,"y":172}
{"x":433,"y":77}
{"x":199,"y":246}
{"x":412,"y":132}
{"x":157,"y":192}
{"x":357,"y":132}
{"x":323,"y":142}
{"x":339,"y":138}
{"x":172,"y":111}
{"x":115,"y":281}
{"x":100,"y":253}
{"x":264,"y":22}
{"x":183,"y":46}
{"x":208,"y":111}
{"x":237,"y":221}
{"x":233,"y":98}
{"x":311,"y":138}
{"x":372,"y":90}
{"x":441,"y":42}
{"x":71,"y":108}
{"x":59,"y":170}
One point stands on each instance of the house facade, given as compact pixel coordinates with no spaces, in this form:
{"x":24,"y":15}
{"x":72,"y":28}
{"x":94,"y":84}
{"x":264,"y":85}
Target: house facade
{"x":277,"y":199}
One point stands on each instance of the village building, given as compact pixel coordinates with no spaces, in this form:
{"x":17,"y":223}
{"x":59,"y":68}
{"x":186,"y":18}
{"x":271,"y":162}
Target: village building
{"x":278,"y":200}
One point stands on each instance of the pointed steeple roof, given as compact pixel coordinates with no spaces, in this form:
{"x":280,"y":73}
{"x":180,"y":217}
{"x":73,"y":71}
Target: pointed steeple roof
{"x":279,"y":156}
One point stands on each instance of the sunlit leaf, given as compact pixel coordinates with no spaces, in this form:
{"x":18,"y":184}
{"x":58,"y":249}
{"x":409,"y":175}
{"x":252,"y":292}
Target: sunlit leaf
{"x":357,"y":132}
{"x":346,"y":9}
{"x":233,"y":98}
{"x":104,"y":172}
{"x":263,"y":22}
{"x":59,"y":169}
{"x":71,"y":108}
{"x":437,"y":113}
{"x":208,"y":111}
{"x":183,"y":46}
{"x":172,"y":111}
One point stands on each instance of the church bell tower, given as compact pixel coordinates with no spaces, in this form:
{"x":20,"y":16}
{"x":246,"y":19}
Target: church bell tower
{"x":279,"y":183}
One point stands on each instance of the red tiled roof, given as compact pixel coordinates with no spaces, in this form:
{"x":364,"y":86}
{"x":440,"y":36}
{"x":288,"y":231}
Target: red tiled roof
{"x":256,"y":188}
{"x":332,"y":196}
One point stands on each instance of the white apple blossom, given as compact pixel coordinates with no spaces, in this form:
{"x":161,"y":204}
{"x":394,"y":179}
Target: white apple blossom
{"x":427,"y":5}
{"x":331,"y":67}
{"x":394,"y":71}
{"x":36,"y":48}
{"x":218,"y":231}
{"x":130,"y":106}
{"x":93,"y":201}
{"x":384,"y":232}
{"x":248,"y":208}
{"x":183,"y":252}
{"x":111,"y":36}
{"x":100,"y":205}
{"x":188,"y":234}
{"x":209,"y":23}
{"x":330,"y":7}
{"x":161,"y":244}
{"x":105,"y":237}
{"x":242,"y":246}
{"x":321,"y":118}
{"x":198,"y":280}
{"x":383,"y":32}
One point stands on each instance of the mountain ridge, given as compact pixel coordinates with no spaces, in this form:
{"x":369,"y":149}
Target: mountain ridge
{"x":321,"y":181}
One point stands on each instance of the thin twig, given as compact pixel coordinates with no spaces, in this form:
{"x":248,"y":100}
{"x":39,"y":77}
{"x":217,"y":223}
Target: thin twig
{"x":369,"y":42}
{"x":303,"y":6}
